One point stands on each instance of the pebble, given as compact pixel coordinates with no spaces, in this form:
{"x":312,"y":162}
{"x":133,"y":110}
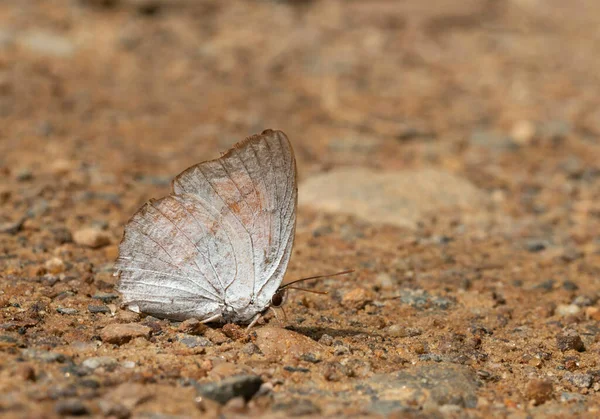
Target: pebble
{"x":98,"y":309}
{"x":233,"y":331}
{"x":245,"y":386}
{"x":99,"y":361}
{"x":105,"y":297}
{"x":216,"y":336}
{"x":325,"y":339}
{"x":122,"y":399}
{"x":122,"y":333}
{"x":592,"y":313}
{"x":523,"y":132}
{"x":193,"y":341}
{"x":250,"y":349}
{"x":91,"y":237}
{"x":11,"y":227}
{"x":579,"y":380}
{"x":585,"y":300}
{"x":55,"y":266}
{"x":284,"y":344}
{"x":357,"y":298}
{"x":66,"y":310}
{"x":71,"y":407}
{"x":45,"y":356}
{"x":400,"y":198}
{"x":402,"y":332}
{"x":564,"y":310}
{"x":539,"y":391}
{"x":569,"y":339}
{"x":192,"y":327}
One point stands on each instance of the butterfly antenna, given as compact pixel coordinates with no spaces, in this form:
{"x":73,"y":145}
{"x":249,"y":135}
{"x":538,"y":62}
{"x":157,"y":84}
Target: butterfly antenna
{"x":316,"y":277}
{"x":307,"y":290}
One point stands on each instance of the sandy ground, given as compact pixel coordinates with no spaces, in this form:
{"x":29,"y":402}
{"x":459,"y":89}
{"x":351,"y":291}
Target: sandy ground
{"x":465,"y":136}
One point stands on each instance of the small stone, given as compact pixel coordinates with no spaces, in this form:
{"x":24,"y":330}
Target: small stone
{"x":71,"y":407}
{"x":564,"y":310}
{"x":523,"y":132}
{"x":194,"y":341}
{"x":233,"y":331}
{"x":592,"y":313}
{"x":66,"y":310}
{"x":570,"y":286}
{"x":54,"y":266}
{"x":357,"y":299}
{"x":24,"y":174}
{"x":114,"y":409}
{"x":585,"y":300}
{"x":121,"y":400}
{"x":535,"y":246}
{"x":569,"y":339}
{"x":105,"y":297}
{"x":91,"y":237}
{"x":250,"y":349}
{"x":284,"y":344}
{"x":399,"y":331}
{"x":216,"y":336}
{"x":98,"y":309}
{"x":26,"y":372}
{"x":192,"y":327}
{"x":12,"y":227}
{"x":122,"y":333}
{"x":579,"y":380}
{"x":245,"y":386}
{"x":45,"y":356}
{"x":325,"y":339}
{"x":539,"y":391}
{"x":310,"y":357}
{"x":99,"y":361}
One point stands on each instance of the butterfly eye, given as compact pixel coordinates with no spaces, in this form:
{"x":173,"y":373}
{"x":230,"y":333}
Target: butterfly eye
{"x":279,"y":298}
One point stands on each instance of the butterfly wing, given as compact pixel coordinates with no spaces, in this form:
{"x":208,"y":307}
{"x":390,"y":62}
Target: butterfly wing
{"x":253,"y":187}
{"x":222,"y":239}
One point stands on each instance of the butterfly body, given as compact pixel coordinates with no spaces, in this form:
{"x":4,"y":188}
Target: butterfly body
{"x":218,"y":246}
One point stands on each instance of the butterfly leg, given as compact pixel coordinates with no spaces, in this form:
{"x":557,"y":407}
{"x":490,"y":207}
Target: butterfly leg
{"x":254,"y":320}
{"x":212,"y":318}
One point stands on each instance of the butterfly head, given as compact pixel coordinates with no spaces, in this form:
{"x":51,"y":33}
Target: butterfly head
{"x":279,"y":298}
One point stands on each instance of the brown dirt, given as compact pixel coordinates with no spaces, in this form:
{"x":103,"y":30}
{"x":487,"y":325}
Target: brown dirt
{"x":103,"y":102}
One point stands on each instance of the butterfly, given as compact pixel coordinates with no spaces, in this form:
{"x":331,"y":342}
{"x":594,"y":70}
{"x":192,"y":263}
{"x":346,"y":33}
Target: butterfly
{"x":218,"y":246}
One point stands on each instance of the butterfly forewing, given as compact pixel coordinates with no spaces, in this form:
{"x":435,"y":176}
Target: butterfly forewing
{"x":225,"y":235}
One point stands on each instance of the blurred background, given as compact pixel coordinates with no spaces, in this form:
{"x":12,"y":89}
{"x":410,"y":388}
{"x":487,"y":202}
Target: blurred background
{"x":448,"y":150}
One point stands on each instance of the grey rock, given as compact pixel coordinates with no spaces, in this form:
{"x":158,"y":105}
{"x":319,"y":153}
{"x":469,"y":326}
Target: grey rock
{"x":99,"y":361}
{"x":422,"y":299}
{"x":400,"y":198}
{"x":105,"y":297}
{"x":245,"y":386}
{"x":45,"y":356}
{"x":66,"y":310}
{"x":192,"y":341}
{"x":579,"y":380}
{"x":98,"y":309}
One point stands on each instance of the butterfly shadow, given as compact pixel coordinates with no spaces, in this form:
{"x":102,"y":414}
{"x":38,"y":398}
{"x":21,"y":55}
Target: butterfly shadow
{"x":315,"y":333}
